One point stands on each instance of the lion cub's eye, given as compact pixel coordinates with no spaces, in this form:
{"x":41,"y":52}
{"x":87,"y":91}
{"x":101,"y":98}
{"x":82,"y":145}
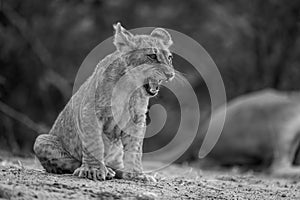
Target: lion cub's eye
{"x":170,"y":57}
{"x":152,"y":56}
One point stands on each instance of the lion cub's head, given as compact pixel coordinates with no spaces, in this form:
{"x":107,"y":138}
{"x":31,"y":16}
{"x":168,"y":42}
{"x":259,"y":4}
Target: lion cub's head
{"x":147,"y":57}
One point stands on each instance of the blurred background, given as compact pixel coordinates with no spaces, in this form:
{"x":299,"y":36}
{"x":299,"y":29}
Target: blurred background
{"x":255,"y":44}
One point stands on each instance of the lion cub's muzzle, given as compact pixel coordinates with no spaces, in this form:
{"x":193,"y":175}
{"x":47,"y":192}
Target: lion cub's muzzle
{"x":153,"y":83}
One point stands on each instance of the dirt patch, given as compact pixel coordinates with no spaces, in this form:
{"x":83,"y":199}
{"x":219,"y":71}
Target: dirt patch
{"x":24,"y":179}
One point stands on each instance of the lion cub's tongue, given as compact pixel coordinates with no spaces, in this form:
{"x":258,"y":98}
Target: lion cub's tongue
{"x":154,"y":85}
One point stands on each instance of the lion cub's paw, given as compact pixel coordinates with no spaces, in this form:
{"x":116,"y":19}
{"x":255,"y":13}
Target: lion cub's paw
{"x":94,"y":172}
{"x":135,"y":176}
{"x":148,"y":178}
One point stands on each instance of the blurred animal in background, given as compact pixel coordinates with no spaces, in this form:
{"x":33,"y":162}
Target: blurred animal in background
{"x":100,"y":133}
{"x":261,"y":131}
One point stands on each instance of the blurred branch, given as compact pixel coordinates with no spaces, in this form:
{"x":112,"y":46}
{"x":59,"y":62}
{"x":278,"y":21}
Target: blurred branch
{"x":7,"y":110}
{"x":38,"y":49}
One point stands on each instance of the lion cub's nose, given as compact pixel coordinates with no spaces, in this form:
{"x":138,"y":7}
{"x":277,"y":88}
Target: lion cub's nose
{"x":169,"y":75}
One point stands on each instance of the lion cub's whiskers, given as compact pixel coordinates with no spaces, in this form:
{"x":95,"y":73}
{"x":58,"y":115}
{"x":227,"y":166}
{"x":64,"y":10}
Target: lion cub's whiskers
{"x":180,"y":78}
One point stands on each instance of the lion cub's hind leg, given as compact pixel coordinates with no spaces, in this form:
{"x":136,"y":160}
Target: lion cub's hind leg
{"x":52,"y":155}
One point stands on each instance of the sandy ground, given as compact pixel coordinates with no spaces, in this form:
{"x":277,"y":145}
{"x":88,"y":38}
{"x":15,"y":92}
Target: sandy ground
{"x":25,"y":179}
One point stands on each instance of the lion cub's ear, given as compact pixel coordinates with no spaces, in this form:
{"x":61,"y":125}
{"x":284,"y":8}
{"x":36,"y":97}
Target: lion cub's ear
{"x":123,"y":38}
{"x":163,"y":35}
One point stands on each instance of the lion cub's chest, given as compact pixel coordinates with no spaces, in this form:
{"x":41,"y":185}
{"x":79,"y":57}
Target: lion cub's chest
{"x":136,"y":116}
{"x":111,"y":129}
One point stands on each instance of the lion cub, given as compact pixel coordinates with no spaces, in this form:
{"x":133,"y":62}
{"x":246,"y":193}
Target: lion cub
{"x":99,"y":134}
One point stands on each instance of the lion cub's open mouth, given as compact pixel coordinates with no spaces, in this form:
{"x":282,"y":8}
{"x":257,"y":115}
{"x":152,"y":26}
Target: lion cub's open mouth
{"x":151,"y":87}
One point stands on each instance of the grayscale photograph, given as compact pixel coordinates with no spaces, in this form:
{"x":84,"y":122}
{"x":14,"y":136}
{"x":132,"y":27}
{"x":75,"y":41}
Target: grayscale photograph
{"x":150,"y":100}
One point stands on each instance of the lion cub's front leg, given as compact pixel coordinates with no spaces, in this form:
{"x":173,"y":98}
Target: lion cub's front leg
{"x":132,"y":142}
{"x":93,"y":165}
